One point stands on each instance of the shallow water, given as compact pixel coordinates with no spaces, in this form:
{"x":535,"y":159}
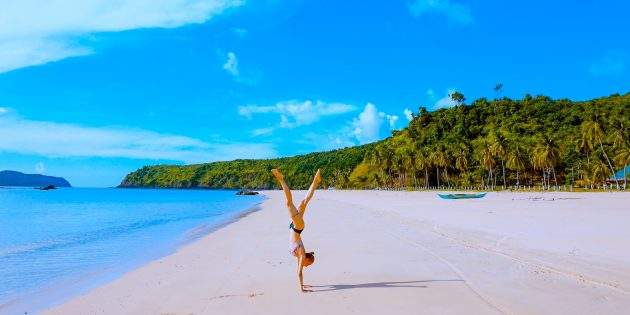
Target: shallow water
{"x":54,"y":244}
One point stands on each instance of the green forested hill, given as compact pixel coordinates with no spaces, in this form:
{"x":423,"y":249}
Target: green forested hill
{"x":535,"y":141}
{"x":298,"y":171}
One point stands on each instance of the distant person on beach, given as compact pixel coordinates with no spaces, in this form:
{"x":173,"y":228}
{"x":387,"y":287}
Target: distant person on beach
{"x":297,"y":249}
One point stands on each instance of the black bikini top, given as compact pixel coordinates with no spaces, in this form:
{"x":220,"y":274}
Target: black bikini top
{"x":291,"y":226}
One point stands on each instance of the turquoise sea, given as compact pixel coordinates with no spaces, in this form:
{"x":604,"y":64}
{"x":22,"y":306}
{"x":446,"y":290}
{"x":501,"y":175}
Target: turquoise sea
{"x":59,"y":243}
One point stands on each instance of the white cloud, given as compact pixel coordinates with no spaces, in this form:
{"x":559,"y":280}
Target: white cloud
{"x":366,"y":127}
{"x":40,"y":168}
{"x":16,"y":54}
{"x":35,"y":32}
{"x":430,"y":94}
{"x":391,"y":119}
{"x":3,"y":110}
{"x":326,"y":141}
{"x":613,"y":63}
{"x":446,"y":101}
{"x":454,"y":11}
{"x":231,"y":64}
{"x":408,"y":114}
{"x":263,"y":131}
{"x":240,"y":32}
{"x":296,"y":113}
{"x":52,"y":139}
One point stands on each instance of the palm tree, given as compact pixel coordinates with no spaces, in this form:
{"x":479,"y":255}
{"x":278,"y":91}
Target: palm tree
{"x":410,"y":162}
{"x":458,"y":97}
{"x":585,"y":176}
{"x":619,"y":137}
{"x":516,"y":160}
{"x":402,"y":170}
{"x":423,"y":163}
{"x":461,"y":158}
{"x":399,"y":167}
{"x":545,"y":157}
{"x":581,"y":169}
{"x":621,"y":143}
{"x":498,"y":148}
{"x":387,"y":156}
{"x":593,"y":173}
{"x":592,"y":132}
{"x":407,"y":155}
{"x":498,"y":88}
{"x":460,"y":154}
{"x":598,"y":171}
{"x":487,"y":160}
{"x":376,"y":161}
{"x":585,"y":145}
{"x":623,"y":159}
{"x":439,"y":159}
{"x":538,"y":163}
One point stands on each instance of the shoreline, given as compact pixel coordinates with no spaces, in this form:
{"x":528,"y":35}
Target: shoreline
{"x":533,"y":189}
{"x":433,"y":258}
{"x":67,"y":288}
{"x":215,"y":227}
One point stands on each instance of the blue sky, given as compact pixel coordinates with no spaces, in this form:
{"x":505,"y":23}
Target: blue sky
{"x":94,"y":89}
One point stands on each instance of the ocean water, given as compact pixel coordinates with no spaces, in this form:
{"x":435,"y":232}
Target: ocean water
{"x":59,"y":243}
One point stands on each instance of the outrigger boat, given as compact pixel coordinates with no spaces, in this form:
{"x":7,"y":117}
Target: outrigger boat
{"x":462,"y":196}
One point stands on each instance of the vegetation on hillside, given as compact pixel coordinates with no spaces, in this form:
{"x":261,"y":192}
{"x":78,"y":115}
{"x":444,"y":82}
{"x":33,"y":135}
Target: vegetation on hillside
{"x":298,"y":171}
{"x":488,"y":144}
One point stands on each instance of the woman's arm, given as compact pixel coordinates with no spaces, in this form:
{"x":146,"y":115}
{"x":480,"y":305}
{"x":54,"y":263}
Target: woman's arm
{"x":300,"y":276}
{"x":316,"y":180}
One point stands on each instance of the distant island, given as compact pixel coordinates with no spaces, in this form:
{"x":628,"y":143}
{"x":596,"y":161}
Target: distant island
{"x":487,"y":144}
{"x":18,"y":179}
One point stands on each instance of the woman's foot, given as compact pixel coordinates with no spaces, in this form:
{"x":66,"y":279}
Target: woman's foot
{"x":318,"y":177}
{"x":276,"y":173}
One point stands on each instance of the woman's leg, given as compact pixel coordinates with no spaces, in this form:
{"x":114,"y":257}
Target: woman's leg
{"x":287,"y":192}
{"x":311,"y":190}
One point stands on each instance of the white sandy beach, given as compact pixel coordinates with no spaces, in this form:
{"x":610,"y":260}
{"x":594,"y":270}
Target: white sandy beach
{"x":396,"y":253}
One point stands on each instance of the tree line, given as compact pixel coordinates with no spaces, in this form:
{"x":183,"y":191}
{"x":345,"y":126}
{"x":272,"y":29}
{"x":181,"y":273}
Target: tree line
{"x":501,"y":143}
{"x":253,"y":174}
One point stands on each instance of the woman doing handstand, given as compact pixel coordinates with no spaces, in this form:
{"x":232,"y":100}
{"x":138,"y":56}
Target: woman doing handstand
{"x":297,"y":249}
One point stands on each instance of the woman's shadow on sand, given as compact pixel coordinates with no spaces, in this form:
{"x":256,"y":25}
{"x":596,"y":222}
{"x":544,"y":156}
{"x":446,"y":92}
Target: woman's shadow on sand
{"x":387,"y":284}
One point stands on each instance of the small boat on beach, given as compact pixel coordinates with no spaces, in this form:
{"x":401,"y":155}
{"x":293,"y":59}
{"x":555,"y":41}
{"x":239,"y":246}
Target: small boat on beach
{"x":462,"y":196}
